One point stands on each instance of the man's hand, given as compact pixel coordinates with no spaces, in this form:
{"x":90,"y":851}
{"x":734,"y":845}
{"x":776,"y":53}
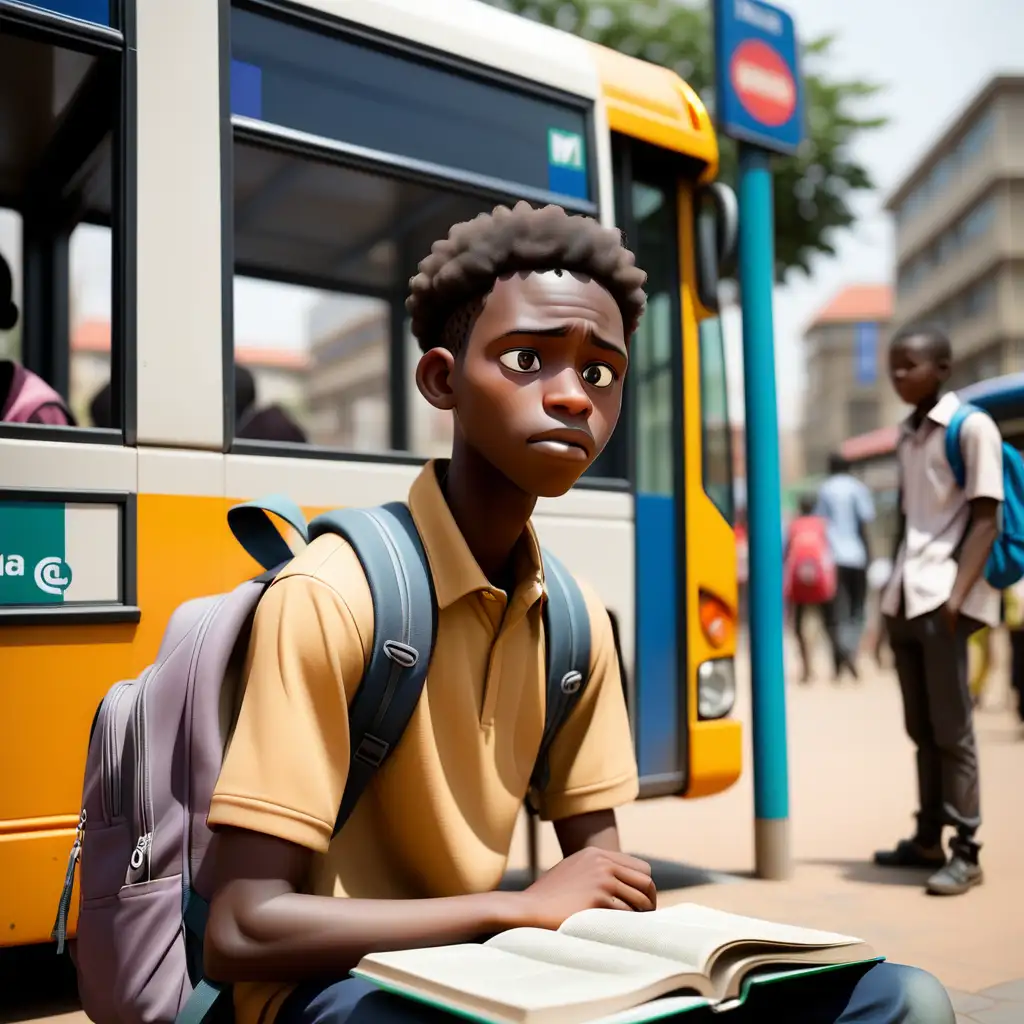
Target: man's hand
{"x":949,"y":615}
{"x":588,"y":879}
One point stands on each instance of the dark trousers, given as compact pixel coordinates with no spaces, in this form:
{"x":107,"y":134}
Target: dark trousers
{"x":880,"y":994}
{"x":1017,"y":668}
{"x":932,"y":666}
{"x":800,"y":613}
{"x":848,"y":613}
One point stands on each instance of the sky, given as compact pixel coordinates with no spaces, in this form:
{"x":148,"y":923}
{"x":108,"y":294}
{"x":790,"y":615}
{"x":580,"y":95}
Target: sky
{"x":931,"y":56}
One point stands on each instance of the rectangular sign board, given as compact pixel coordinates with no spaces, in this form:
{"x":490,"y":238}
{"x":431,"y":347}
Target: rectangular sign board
{"x":60,"y":553}
{"x":758,"y":89}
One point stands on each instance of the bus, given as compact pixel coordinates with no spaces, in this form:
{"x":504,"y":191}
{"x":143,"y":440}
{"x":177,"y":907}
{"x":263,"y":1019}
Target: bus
{"x":210,"y":198}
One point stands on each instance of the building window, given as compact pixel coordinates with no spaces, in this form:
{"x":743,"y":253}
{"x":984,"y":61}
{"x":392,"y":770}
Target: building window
{"x":980,"y":298}
{"x":977,"y":138}
{"x":861,"y":415}
{"x":977,"y":367}
{"x":978,"y":222}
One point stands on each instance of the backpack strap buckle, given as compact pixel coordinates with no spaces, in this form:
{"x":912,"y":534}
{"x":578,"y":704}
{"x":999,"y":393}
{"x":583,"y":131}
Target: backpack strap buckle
{"x":372,"y":750}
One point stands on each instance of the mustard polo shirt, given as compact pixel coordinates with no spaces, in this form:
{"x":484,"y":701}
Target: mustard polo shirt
{"x":437,"y":819}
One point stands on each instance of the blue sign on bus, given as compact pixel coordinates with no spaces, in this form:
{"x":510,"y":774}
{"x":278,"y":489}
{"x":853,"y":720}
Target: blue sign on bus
{"x":97,"y":11}
{"x":758,"y":91}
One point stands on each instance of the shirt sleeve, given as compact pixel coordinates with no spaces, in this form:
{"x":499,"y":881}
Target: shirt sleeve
{"x":865,"y":504}
{"x":592,"y":764}
{"x":287,"y":761}
{"x":982,"y":447}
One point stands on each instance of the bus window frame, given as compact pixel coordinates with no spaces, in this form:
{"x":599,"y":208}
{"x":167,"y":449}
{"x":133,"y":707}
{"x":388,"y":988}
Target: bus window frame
{"x":283,"y":139}
{"x":634,"y":160}
{"x":48,"y":28}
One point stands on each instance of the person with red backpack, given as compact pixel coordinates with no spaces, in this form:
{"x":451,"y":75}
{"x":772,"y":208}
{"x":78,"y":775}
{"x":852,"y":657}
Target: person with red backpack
{"x":809,"y":577}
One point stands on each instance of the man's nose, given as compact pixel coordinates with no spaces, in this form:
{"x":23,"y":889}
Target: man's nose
{"x":566,"y":394}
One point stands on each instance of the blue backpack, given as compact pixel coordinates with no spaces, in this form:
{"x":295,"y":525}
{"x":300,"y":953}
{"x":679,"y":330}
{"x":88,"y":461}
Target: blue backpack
{"x":1005,"y":565}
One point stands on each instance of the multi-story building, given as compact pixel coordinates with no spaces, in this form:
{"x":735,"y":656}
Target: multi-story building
{"x":845,"y":380}
{"x":959,"y":217}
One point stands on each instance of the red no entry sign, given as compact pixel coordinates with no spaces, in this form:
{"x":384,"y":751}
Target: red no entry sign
{"x":763,"y":82}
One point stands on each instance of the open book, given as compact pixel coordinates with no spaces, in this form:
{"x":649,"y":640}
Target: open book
{"x":609,"y":965}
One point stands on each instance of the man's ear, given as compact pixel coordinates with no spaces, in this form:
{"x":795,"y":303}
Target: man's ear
{"x":434,"y":378}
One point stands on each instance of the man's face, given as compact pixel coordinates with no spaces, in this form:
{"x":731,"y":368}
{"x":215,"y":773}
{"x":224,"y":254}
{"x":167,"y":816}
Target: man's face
{"x":915,"y":373}
{"x":537,"y":387}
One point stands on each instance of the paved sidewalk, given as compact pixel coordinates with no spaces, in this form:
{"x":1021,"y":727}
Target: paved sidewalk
{"x":852,"y":790}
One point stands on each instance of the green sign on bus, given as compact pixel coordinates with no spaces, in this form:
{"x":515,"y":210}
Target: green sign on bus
{"x":33,"y":569}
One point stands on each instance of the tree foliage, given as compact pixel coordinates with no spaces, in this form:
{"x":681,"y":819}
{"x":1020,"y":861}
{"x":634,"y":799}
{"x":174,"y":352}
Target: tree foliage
{"x":812,"y":189}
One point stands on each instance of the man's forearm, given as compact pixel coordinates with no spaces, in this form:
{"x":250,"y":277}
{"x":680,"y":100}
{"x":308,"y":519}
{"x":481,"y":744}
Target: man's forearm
{"x":973,"y":556}
{"x":598,"y":828}
{"x":258,"y":934}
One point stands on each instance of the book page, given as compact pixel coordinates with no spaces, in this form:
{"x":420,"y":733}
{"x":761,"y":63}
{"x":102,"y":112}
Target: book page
{"x":585,"y":955}
{"x":691,"y":934}
{"x":504,"y":986}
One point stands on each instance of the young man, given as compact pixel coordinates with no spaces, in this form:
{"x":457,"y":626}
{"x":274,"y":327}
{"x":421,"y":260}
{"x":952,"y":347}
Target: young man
{"x":524,"y":317}
{"x":936,"y":598}
{"x":844,"y":502}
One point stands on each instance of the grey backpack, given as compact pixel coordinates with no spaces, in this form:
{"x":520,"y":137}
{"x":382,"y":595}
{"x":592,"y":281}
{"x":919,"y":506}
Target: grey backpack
{"x":157,"y":742}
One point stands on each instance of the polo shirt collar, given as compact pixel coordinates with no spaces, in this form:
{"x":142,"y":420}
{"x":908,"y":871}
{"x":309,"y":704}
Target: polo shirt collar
{"x":455,"y":571}
{"x":941,"y":413}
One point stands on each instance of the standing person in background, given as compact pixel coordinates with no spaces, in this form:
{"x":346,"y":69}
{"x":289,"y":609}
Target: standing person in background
{"x":845,"y":503}
{"x":809,"y":577}
{"x":937,"y":597}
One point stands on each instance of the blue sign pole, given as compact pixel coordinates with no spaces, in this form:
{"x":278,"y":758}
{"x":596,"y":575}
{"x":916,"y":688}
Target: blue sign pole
{"x":764,"y":510}
{"x":760,"y":104}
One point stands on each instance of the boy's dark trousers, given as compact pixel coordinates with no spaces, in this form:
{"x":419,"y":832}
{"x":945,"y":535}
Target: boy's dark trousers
{"x":932,"y":666}
{"x":1017,"y":668}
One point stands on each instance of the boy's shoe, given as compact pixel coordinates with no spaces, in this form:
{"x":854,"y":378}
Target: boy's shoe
{"x":909,"y":853}
{"x":960,"y":873}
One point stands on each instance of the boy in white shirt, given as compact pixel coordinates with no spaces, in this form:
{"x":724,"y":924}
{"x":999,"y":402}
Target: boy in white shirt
{"x":937,"y":597}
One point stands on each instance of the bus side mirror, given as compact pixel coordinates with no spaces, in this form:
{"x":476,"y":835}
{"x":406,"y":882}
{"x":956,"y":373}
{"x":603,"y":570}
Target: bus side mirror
{"x":716,"y":221}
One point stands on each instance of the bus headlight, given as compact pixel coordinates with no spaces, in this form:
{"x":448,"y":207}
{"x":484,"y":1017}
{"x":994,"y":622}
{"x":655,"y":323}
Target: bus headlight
{"x":716,"y":688}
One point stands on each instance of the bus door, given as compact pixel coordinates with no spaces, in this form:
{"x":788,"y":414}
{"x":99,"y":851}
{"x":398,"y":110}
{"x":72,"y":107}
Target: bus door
{"x":646,"y":211}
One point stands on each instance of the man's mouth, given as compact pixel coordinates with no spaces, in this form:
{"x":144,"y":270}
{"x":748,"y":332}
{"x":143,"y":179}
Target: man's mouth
{"x":566,"y":444}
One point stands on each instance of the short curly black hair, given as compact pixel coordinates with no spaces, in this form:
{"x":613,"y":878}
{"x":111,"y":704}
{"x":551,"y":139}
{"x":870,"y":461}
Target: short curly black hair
{"x":446,"y":294}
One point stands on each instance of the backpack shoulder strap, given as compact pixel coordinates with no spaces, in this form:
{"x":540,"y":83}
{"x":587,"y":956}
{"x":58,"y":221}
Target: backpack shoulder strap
{"x":391,"y":553}
{"x":253,"y":528}
{"x":954,"y":453}
{"x":567,"y":640}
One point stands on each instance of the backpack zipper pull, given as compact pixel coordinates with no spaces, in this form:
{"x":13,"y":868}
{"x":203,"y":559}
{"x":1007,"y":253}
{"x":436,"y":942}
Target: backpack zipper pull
{"x":138,"y":865}
{"x":60,"y":926}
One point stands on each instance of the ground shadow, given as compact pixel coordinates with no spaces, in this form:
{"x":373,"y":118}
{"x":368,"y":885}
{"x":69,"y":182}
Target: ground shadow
{"x":866,"y":871}
{"x":35,"y":982}
{"x":667,"y":875}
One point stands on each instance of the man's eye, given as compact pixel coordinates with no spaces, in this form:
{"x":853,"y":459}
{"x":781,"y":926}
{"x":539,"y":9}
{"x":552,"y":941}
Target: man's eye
{"x":598,"y":375}
{"x":521,"y":360}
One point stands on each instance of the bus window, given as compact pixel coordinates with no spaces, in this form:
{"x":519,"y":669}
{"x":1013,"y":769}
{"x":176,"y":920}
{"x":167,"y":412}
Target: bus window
{"x":60,"y":194}
{"x":323,"y":255}
{"x":716,"y":434}
{"x":349,"y":160}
